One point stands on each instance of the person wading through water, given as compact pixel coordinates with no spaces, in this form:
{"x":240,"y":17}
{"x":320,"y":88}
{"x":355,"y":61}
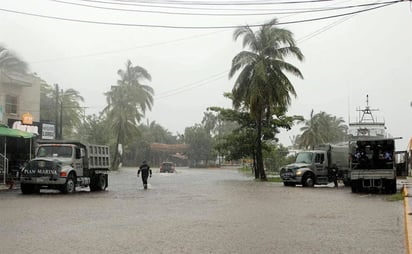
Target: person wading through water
{"x":146,"y":172}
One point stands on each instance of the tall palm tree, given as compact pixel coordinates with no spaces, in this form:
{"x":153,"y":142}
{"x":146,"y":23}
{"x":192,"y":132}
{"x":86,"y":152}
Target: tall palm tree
{"x":127,"y":104}
{"x":262,"y":84}
{"x":311,"y":134}
{"x":322,"y":128}
{"x":10,"y":62}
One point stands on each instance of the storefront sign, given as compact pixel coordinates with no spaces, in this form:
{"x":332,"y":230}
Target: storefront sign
{"x":28,"y":128}
{"x":27,"y":119}
{"x":48,"y":131}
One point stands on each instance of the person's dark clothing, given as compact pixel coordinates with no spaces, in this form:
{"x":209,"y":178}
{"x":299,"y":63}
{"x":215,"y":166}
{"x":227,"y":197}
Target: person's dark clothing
{"x":146,"y":171}
{"x":333,"y":175}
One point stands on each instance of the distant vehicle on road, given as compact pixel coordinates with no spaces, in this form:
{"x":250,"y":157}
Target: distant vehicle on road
{"x":167,"y":167}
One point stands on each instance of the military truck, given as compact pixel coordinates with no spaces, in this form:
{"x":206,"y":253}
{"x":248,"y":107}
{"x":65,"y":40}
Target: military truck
{"x":326,"y":164}
{"x":65,"y":165}
{"x":374,"y":165}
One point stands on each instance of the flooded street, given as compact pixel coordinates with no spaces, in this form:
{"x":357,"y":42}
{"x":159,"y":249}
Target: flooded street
{"x":200,"y":211}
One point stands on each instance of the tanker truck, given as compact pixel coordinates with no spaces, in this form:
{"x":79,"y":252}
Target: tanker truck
{"x":326,"y":164}
{"x":65,"y":165}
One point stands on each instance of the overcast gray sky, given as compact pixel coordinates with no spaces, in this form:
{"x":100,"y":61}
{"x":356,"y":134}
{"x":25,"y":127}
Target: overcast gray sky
{"x":346,"y":57}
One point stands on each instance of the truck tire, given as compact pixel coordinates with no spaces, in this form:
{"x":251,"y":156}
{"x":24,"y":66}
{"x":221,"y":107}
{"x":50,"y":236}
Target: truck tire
{"x":70,"y":185}
{"x":308,"y":180}
{"x":26,"y":188}
{"x":93,"y":183}
{"x":102,"y":182}
{"x":355,"y":186}
{"x":391,"y":186}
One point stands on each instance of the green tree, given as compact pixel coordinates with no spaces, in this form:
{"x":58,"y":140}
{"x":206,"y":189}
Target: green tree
{"x":127,"y":104}
{"x":219,"y":128}
{"x":11,"y":62}
{"x":95,"y":130}
{"x":200,"y":143}
{"x":140,"y":150}
{"x":262,"y":84}
{"x":62,"y":107}
{"x":276,"y":157}
{"x":321,"y":128}
{"x":157,"y":133}
{"x":240,"y":143}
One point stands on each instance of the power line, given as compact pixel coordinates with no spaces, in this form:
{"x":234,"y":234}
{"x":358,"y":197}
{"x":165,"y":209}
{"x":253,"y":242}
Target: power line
{"x":306,"y":10}
{"x":219,"y":3}
{"x":324,"y":29}
{"x":196,"y":27}
{"x":131,"y":48}
{"x":218,"y":75}
{"x":134,"y":4}
{"x":127,"y":49}
{"x":190,"y":86}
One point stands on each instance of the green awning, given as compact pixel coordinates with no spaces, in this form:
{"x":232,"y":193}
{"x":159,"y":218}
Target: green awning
{"x":8,"y":132}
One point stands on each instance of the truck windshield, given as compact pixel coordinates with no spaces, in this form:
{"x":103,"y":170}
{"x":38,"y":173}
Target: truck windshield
{"x":54,"y":151}
{"x":304,"y":157}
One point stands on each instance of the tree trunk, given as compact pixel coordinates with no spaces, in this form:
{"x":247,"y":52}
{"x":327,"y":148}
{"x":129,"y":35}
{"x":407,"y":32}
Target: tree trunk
{"x":115,"y":161}
{"x":254,"y":165}
{"x":259,"y":155}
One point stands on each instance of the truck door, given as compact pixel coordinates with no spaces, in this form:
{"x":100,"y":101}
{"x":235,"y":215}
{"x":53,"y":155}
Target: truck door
{"x":320,"y":164}
{"x":78,"y":162}
{"x":401,"y":163}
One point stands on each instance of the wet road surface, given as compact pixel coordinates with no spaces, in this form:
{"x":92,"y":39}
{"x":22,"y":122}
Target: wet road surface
{"x":200,"y":211}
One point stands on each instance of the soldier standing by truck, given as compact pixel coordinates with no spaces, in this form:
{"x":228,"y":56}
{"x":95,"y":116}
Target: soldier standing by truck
{"x":146,"y":171}
{"x":334,"y":175}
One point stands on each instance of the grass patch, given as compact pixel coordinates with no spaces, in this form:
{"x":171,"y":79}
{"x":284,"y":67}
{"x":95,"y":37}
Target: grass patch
{"x":248,"y":171}
{"x":275,"y":179}
{"x":245,"y":169}
{"x":395,"y":197}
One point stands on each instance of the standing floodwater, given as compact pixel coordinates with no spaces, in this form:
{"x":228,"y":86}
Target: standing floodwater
{"x":200,"y":211}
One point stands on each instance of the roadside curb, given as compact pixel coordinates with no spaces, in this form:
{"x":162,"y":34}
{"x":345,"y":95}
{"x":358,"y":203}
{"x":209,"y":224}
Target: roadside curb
{"x":407,"y":213}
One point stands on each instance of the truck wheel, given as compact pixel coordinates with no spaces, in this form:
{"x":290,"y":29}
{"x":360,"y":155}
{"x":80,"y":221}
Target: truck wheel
{"x":102,"y":183}
{"x":93,"y":183}
{"x":36,"y":189}
{"x":354,"y":186}
{"x":308,"y":180}
{"x":26,"y":188}
{"x":391,"y":186}
{"x":70,"y":185}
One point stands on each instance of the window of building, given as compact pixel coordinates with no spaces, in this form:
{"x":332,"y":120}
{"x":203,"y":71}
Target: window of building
{"x":11,"y":104}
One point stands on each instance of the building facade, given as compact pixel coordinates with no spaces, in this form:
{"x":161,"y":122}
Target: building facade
{"x":19,"y":94}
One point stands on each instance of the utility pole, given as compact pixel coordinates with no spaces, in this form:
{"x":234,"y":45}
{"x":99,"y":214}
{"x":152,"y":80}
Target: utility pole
{"x":61,"y":118}
{"x":57,"y":111}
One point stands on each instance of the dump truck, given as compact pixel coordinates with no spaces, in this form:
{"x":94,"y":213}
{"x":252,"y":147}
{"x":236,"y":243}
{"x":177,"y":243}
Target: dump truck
{"x":326,"y":164}
{"x":65,"y":165}
{"x":375,"y":163}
